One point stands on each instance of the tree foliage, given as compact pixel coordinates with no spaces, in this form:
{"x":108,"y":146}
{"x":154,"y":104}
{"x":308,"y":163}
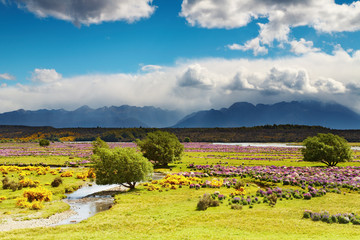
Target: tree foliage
{"x":326,"y":148}
{"x":99,"y":143}
{"x":124,"y":166}
{"x":44,"y":142}
{"x":161,"y":147}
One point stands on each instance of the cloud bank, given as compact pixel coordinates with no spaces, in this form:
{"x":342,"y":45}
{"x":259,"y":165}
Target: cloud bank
{"x":90,"y":11}
{"x":325,"y":16}
{"x":192,"y":85}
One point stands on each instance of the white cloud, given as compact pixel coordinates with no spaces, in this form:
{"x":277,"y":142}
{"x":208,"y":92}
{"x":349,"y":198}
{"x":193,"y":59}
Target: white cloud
{"x":302,"y":47}
{"x":240,"y":82}
{"x":253,"y":44}
{"x":45,"y":75}
{"x":322,"y":15}
{"x":198,"y":84}
{"x":6,"y":76}
{"x":288,"y":80}
{"x":90,"y":11}
{"x":330,"y":85}
{"x":196,"y":76}
{"x":149,"y":68}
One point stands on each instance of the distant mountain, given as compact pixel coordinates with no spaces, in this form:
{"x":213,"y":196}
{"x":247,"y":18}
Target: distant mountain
{"x":243,"y":114}
{"x":119,"y":117}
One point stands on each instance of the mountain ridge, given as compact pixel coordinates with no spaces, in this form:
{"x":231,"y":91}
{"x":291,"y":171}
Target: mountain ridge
{"x":239,"y":114}
{"x":243,"y":114}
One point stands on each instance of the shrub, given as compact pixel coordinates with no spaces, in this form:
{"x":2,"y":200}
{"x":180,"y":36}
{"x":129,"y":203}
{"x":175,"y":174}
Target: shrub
{"x":5,"y":183}
{"x":236,"y":206}
{"x":307,"y":214}
{"x":56,"y":182}
{"x":44,"y":142}
{"x":38,"y":194}
{"x":239,"y":184}
{"x":15,"y":186}
{"x":273,"y":199}
{"x":206,"y":201}
{"x":343,"y":219}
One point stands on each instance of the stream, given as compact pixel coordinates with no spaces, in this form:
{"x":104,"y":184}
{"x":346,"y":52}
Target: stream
{"x":86,"y":203}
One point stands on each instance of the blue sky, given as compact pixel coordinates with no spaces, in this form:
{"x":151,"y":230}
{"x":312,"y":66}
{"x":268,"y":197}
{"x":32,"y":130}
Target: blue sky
{"x":177,"y":54}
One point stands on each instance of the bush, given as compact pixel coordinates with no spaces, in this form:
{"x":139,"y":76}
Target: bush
{"x":56,"y":182}
{"x":307,"y":214}
{"x":272,"y":199}
{"x":5,"y":183}
{"x":206,"y":201}
{"x":44,"y":142}
{"x":315,"y":216}
{"x":37,"y":194}
{"x":343,"y":219}
{"x":236,"y":207}
{"x":326,"y":148}
{"x":239,"y":185}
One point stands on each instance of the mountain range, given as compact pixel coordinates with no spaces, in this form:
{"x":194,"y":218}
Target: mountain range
{"x":240,"y":114}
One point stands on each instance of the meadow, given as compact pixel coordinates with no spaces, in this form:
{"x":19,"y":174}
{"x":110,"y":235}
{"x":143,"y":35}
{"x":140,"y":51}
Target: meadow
{"x":241,"y":179}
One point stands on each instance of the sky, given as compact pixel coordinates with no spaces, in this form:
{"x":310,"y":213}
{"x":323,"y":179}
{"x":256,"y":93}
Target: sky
{"x":186,"y":55}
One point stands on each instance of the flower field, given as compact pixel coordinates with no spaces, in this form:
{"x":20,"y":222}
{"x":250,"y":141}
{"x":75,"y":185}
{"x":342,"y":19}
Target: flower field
{"x":214,"y":192}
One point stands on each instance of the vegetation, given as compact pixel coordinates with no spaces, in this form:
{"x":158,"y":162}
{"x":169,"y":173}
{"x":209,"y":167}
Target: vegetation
{"x":326,"y":148}
{"x":44,"y":142}
{"x":267,"y":133}
{"x":242,"y":180}
{"x":124,"y":166}
{"x":98,"y":144}
{"x":161,"y":147}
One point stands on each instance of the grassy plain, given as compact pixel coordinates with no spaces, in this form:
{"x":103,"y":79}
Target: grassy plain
{"x":8,"y":206}
{"x":172,"y":214}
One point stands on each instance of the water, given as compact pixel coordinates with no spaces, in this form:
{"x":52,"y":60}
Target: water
{"x":86,"y":207}
{"x":261,"y":144}
{"x":254,"y":144}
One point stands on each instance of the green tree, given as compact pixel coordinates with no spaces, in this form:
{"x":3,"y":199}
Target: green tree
{"x":187,"y":140}
{"x":44,"y":142}
{"x":326,"y":148}
{"x":161,"y":147}
{"x":99,"y":143}
{"x":124,"y":166}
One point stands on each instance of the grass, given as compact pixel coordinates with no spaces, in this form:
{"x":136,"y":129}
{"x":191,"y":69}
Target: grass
{"x":172,"y":214}
{"x":55,"y":206}
{"x":35,"y":160}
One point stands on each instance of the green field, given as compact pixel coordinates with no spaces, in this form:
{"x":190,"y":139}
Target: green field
{"x":172,"y":214}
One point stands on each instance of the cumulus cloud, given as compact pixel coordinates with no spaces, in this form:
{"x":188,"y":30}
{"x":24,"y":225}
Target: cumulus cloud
{"x":253,"y":44}
{"x":322,"y":15}
{"x":302,"y":47}
{"x":90,"y":11}
{"x":240,"y":82}
{"x":196,"y":76}
{"x":288,"y":80}
{"x":6,"y":76}
{"x":192,"y":85}
{"x":330,"y":85}
{"x":45,"y":75}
